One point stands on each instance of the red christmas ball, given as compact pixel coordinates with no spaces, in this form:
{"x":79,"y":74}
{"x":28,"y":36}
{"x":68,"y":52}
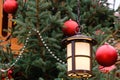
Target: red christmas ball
{"x":10,"y":72}
{"x":10,"y":6}
{"x":106,"y":55}
{"x":70,"y":28}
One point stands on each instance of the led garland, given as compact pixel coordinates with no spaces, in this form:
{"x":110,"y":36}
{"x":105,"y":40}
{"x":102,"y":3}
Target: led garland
{"x":48,"y":49}
{"x":22,"y":50}
{"x":18,"y":58}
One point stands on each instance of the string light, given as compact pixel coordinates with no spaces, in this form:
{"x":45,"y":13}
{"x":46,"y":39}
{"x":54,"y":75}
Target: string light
{"x":22,"y":50}
{"x":18,"y":58}
{"x":48,"y":49}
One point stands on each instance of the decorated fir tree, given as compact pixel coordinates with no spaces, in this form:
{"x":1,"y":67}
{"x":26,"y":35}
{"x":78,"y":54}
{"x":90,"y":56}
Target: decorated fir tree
{"x":38,"y":27}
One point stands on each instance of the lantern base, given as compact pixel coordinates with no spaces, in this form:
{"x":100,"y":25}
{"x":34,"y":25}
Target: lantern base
{"x":80,"y":74}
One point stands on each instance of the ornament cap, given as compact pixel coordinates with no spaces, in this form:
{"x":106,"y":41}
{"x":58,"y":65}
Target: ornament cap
{"x":106,"y":43}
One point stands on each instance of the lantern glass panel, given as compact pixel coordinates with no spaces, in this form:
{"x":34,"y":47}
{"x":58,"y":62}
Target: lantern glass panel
{"x":82,"y":63}
{"x":82,"y":48}
{"x":69,"y":50}
{"x":69,"y":63}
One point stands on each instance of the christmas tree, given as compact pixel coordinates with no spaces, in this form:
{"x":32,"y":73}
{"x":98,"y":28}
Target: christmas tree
{"x":37,"y":24}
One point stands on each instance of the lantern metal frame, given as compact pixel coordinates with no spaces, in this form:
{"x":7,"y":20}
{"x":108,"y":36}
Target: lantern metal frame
{"x":84,"y":39}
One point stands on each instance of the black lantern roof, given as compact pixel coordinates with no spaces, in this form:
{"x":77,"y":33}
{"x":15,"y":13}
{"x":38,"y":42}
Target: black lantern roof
{"x":79,"y":37}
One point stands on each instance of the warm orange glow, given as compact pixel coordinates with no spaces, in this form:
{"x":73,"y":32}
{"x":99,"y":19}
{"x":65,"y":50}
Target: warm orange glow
{"x":69,"y":63}
{"x":82,"y":48}
{"x":69,"y":50}
{"x":82,"y":63}
{"x":15,"y":46}
{"x":6,"y":23}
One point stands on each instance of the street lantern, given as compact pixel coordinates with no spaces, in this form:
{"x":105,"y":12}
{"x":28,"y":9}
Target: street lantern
{"x":79,"y":56}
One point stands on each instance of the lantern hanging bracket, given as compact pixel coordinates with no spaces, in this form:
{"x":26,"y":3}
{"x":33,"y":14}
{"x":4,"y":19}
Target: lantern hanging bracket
{"x":78,"y":16}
